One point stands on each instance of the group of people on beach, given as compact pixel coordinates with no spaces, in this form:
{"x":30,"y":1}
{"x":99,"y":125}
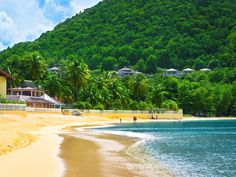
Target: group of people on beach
{"x":135,"y":118}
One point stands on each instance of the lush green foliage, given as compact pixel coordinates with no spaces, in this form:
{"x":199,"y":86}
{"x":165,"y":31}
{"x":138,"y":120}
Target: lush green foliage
{"x":145,"y":34}
{"x":199,"y":93}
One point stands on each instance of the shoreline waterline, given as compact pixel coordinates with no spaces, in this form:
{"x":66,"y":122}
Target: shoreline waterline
{"x":46,"y":145}
{"x":122,"y":163}
{"x":186,"y":146}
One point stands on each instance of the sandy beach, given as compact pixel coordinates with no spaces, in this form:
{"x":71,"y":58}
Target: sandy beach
{"x":30,"y":144}
{"x":101,"y":149}
{"x":40,"y":144}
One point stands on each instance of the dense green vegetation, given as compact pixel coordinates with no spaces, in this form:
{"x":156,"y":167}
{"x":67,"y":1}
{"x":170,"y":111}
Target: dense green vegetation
{"x":147,"y":35}
{"x":200,"y":93}
{"x":144,"y":34}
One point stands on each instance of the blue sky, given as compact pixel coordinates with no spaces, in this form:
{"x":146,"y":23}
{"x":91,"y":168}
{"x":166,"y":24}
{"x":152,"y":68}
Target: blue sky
{"x":24,"y":20}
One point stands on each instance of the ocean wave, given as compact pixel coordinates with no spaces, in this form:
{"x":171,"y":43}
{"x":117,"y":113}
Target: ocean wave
{"x":127,"y":133}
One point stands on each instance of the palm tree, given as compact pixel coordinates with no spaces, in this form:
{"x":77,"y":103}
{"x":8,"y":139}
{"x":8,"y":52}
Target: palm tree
{"x":53,"y":85}
{"x":158,"y":95}
{"x":138,"y":86}
{"x":77,"y":73}
{"x":119,"y":93}
{"x":35,"y":66}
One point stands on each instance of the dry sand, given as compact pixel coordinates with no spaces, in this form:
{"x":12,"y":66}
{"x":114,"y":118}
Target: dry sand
{"x":38,"y":134}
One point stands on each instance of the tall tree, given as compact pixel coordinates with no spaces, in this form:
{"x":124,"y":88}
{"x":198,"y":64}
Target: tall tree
{"x":53,"y":84}
{"x":77,"y":73}
{"x":34,"y":65}
{"x":158,"y":95}
{"x":138,"y":86}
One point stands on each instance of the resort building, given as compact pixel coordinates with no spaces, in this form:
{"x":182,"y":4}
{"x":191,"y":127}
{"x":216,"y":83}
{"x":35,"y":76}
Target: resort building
{"x":32,"y":96}
{"x":205,"y":69}
{"x":3,"y":82}
{"x":176,"y":73}
{"x":172,"y":72}
{"x":188,"y":70}
{"x":127,"y":72}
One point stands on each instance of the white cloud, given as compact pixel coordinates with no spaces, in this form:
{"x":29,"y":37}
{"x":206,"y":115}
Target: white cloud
{"x":76,"y":6}
{"x":24,"y":20}
{"x":55,"y":11}
{"x":80,"y":5}
{"x":21,"y":21}
{"x":2,"y":46}
{"x":7,"y":28}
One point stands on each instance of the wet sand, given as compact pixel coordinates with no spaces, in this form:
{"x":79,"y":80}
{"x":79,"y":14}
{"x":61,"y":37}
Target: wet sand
{"x":80,"y":158}
{"x":88,"y":154}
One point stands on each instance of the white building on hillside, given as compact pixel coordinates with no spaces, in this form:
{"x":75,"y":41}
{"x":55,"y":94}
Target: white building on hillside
{"x":172,"y":72}
{"x":188,"y":70}
{"x":127,"y":71}
{"x":205,"y":69}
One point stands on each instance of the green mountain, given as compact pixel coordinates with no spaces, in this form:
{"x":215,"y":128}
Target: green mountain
{"x":143,"y":34}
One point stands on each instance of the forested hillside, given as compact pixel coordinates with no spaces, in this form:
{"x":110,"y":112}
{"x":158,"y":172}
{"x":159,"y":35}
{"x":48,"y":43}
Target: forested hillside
{"x":144,"y":34}
{"x":147,"y":35}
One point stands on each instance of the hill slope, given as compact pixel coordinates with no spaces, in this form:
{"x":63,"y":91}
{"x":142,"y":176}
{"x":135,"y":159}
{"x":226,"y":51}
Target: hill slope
{"x":145,"y":34}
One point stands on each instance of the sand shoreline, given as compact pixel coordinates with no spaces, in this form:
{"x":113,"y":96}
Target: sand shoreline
{"x":113,"y":150}
{"x":38,"y":134}
{"x":40,"y":154}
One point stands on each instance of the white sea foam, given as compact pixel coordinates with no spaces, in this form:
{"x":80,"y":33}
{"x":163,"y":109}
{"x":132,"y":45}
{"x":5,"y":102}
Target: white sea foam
{"x":126,"y":133}
{"x":81,"y":129}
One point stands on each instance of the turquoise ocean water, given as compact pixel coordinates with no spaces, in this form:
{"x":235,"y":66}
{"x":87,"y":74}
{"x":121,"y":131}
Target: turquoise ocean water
{"x":187,"y":148}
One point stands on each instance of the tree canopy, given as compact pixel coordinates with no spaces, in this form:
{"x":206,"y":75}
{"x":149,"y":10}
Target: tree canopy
{"x":144,"y":34}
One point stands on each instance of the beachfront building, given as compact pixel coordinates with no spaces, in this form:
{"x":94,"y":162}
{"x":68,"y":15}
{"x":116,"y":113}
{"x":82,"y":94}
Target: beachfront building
{"x":32,"y":96}
{"x":127,"y":72}
{"x":172,"y":72}
{"x":3,"y":82}
{"x":188,"y":70}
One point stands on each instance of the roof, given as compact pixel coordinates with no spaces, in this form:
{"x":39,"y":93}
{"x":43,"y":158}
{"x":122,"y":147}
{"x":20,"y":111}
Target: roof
{"x":125,"y":69}
{"x":5,"y":74}
{"x":25,"y":89}
{"x":36,"y":100}
{"x":27,"y":84}
{"x":188,"y":69}
{"x":15,"y":98}
{"x":205,"y":69}
{"x":54,"y":69}
{"x":29,"y":99}
{"x":53,"y":100}
{"x":171,"y":70}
